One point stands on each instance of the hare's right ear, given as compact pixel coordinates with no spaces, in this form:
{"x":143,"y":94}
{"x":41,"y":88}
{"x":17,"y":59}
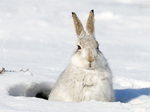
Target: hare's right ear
{"x":90,"y":23}
{"x":78,"y":26}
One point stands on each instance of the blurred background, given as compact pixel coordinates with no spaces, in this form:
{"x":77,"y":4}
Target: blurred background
{"x":39,"y":35}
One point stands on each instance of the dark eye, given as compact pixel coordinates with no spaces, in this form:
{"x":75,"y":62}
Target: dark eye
{"x":79,"y":47}
{"x":98,"y":47}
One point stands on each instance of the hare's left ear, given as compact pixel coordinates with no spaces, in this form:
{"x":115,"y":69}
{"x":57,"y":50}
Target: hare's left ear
{"x":90,"y":23}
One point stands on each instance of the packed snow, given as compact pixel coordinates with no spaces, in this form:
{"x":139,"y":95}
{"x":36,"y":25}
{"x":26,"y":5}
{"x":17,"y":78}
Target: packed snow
{"x":37,"y":39}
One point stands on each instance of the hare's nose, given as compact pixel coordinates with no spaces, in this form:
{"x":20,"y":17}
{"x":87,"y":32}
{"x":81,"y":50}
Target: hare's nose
{"x":90,"y":57}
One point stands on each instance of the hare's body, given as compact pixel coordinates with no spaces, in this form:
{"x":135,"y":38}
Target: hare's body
{"x":78,"y":84}
{"x":88,"y":76}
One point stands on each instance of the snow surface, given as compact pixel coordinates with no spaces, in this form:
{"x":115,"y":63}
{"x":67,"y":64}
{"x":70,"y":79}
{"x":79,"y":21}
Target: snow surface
{"x":39,"y":35}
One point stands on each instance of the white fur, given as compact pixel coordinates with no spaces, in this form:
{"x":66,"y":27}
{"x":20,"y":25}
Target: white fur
{"x":78,"y":84}
{"x":81,"y":82}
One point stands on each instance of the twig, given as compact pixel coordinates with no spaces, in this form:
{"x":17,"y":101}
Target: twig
{"x":24,"y":70}
{"x":3,"y":70}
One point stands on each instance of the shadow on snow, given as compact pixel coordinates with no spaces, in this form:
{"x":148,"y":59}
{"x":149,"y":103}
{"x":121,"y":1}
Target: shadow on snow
{"x":126,"y":95}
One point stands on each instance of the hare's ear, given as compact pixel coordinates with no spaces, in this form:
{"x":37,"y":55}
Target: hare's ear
{"x":78,"y":25}
{"x":90,"y":23}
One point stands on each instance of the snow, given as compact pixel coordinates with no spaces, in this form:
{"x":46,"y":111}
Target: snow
{"x":39,"y":36}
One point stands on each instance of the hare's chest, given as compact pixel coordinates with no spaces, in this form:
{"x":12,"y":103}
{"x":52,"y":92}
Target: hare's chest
{"x":86,"y":78}
{"x":87,"y":85}
{"x":89,"y":80}
{"x":91,"y":85}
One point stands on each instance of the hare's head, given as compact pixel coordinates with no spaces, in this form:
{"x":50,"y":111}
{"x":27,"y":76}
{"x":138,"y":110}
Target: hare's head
{"x":87,"y":54}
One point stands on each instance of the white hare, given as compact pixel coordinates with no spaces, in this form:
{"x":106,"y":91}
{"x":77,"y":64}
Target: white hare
{"x":88,"y":76}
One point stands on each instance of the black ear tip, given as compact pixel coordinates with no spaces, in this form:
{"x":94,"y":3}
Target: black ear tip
{"x":73,"y":13}
{"x":92,"y":11}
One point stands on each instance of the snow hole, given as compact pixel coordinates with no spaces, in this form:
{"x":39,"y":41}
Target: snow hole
{"x":30,"y":89}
